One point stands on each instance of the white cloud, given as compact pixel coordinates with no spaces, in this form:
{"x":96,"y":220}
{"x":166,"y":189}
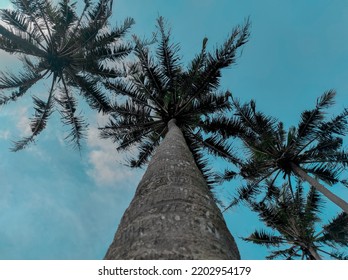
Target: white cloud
{"x":107,"y":165}
{"x":5,"y":134}
{"x":16,"y":124}
{"x":23,"y":122}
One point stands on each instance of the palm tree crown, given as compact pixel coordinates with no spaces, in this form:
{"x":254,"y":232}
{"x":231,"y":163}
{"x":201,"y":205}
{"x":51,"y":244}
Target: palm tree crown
{"x":74,"y":51}
{"x":295,"y":218}
{"x":313,"y":147}
{"x":159,"y":89}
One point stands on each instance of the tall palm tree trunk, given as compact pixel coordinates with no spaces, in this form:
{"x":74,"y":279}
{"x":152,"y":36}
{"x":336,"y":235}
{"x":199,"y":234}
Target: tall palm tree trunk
{"x":334,"y":198}
{"x":173,"y":214}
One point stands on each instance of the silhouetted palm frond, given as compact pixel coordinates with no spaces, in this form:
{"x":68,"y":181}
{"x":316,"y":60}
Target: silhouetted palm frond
{"x":80,"y":51}
{"x":295,"y":219}
{"x":162,"y":89}
{"x":313,"y":147}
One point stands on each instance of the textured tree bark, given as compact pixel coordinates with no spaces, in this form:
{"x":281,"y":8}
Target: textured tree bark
{"x":172,"y":215}
{"x":334,"y":198}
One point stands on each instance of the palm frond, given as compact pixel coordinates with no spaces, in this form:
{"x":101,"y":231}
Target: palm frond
{"x":218,"y":147}
{"x":18,"y":43}
{"x":339,"y":255}
{"x":97,"y":17}
{"x":336,"y":231}
{"x":22,"y":81}
{"x":92,"y":93}
{"x":261,"y":237}
{"x":147,"y":147}
{"x":33,"y":10}
{"x":313,"y":206}
{"x":65,"y":16}
{"x":225,"y":176}
{"x":68,"y":113}
{"x":211,"y":104}
{"x":42,"y":112}
{"x":337,"y":125}
{"x":288,"y":253}
{"x":101,"y":11}
{"x":20,"y":22}
{"x":145,"y":87}
{"x":323,"y":148}
{"x":197,"y":64}
{"x":131,"y":112}
{"x":221,"y":58}
{"x":199,"y":157}
{"x":111,"y":37}
{"x":311,"y":119}
{"x":155,"y":76}
{"x":111,"y":53}
{"x":223,"y":125}
{"x":253,"y":121}
{"x":325,"y":173}
{"x":244,"y":194}
{"x":168,"y":57}
{"x":131,"y":91}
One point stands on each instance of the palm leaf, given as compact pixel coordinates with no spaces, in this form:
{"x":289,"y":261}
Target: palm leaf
{"x":339,"y":255}
{"x":336,"y":231}
{"x":152,"y":71}
{"x":288,"y":253}
{"x":221,"y":58}
{"x":225,"y":176}
{"x":18,"y":43}
{"x":93,"y":95}
{"x":311,"y":119}
{"x":110,"y":37}
{"x":167,"y":55}
{"x":261,"y":237}
{"x":21,"y":23}
{"x":66,"y":16}
{"x":223,"y":125}
{"x":42,"y":112}
{"x":216,"y":146}
{"x":325,"y":173}
{"x":146,"y":148}
{"x":22,"y":81}
{"x":313,"y":206}
{"x":199,"y":157}
{"x":68,"y":113}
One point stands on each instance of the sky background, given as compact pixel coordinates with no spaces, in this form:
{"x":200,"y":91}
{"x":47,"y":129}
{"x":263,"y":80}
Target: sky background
{"x":58,"y":204}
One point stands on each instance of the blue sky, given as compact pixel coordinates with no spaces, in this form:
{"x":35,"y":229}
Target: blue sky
{"x":58,"y":204}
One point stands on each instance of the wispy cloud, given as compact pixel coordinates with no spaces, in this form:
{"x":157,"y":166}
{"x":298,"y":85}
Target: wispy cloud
{"x":5,"y":134}
{"x":23,"y":122}
{"x":107,"y":167}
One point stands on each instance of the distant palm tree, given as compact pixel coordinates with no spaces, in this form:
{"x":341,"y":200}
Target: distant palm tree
{"x":173,"y":214}
{"x":295,"y":218}
{"x":74,"y":51}
{"x":313,"y":147}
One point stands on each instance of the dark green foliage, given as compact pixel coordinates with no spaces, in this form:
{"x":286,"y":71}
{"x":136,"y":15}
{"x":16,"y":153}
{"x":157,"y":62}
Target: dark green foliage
{"x":78,"y":52}
{"x":158,"y":88}
{"x":294,"y":218}
{"x":314,"y":145}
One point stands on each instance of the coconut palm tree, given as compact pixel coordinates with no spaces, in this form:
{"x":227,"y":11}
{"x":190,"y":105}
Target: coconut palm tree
{"x":173,"y":214}
{"x":295,"y":217}
{"x":312,"y":151}
{"x":76,"y":52}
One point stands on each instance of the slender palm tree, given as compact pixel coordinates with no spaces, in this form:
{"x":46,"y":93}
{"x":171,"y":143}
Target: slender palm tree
{"x":312,"y":151}
{"x":76,"y":52}
{"x":296,"y":219}
{"x":173,"y":214}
